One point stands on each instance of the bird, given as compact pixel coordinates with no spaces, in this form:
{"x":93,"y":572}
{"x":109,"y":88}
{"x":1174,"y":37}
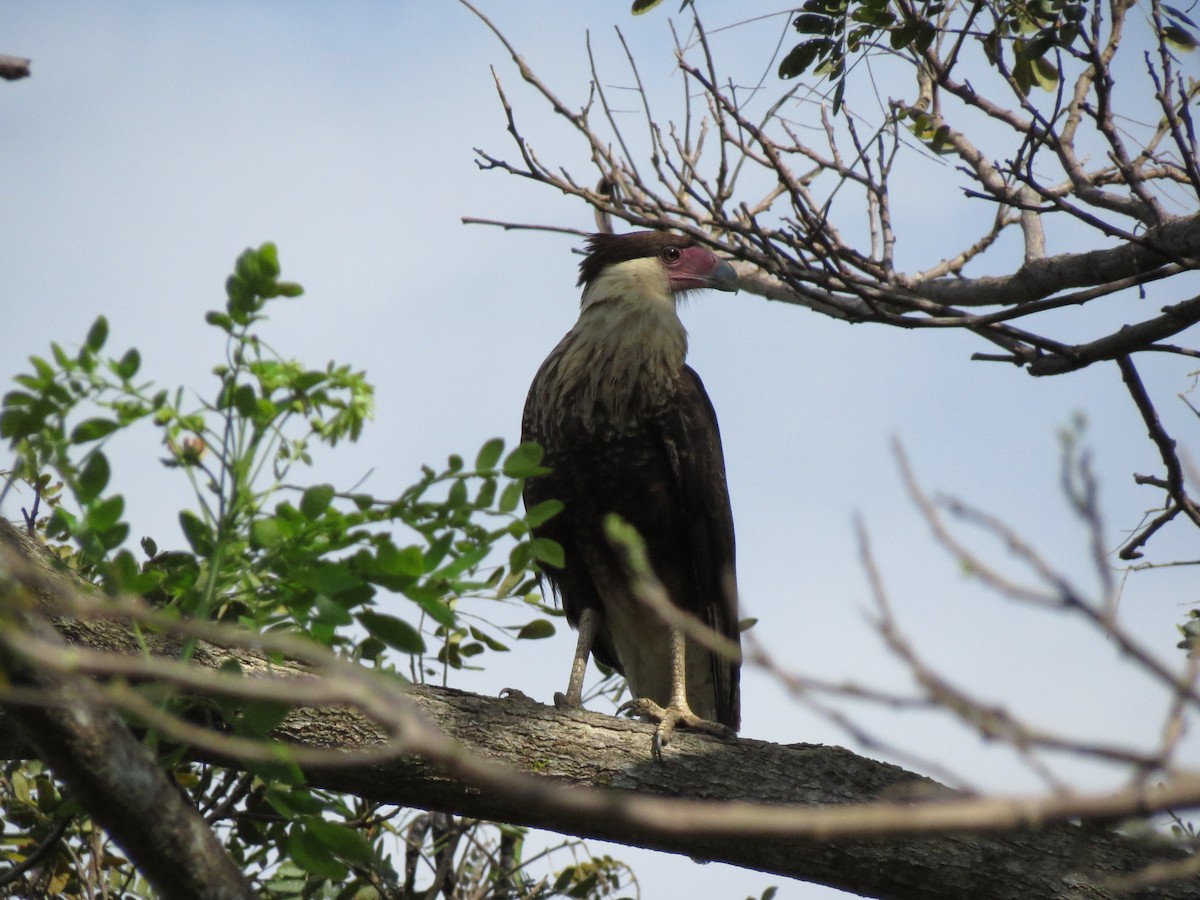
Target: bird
{"x":627,"y":429}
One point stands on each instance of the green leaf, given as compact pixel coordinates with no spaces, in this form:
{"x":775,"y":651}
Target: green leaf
{"x":1037,"y":46}
{"x":92,"y":430}
{"x":307,"y":851}
{"x":60,"y":356}
{"x":293,"y":803}
{"x":492,"y":643}
{"x":1178,"y":37}
{"x":268,"y":259}
{"x":486,"y":495}
{"x":814,"y":23}
{"x":803,"y":55}
{"x":925,"y":38}
{"x":244,"y":401}
{"x":198,"y":534}
{"x":642,"y":6}
{"x":543,"y":512}
{"x":901,"y":37}
{"x":93,"y":478}
{"x":331,"y":613}
{"x":524,"y":462}
{"x":433,"y":605}
{"x":220,"y":320}
{"x":1022,"y":74}
{"x":61,"y":523}
{"x":536,"y":630}
{"x":249,"y":267}
{"x":17,"y":423}
{"x":392,"y":631}
{"x":548,"y":552}
{"x":97,"y":335}
{"x":489,"y":455}
{"x":408,"y":562}
{"x":464,"y":562}
{"x":113,"y":536}
{"x":105,"y":514}
{"x":1045,"y":73}
{"x":265,"y":532}
{"x":510,"y":497}
{"x":259,"y":718}
{"x":18,"y":398}
{"x":316,"y":500}
{"x":437,"y":550}
{"x":347,"y":843}
{"x":241,"y":300}
{"x":128,"y":364}
{"x":520,"y":557}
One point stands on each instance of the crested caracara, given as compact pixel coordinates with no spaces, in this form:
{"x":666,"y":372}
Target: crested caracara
{"x":628,"y":429}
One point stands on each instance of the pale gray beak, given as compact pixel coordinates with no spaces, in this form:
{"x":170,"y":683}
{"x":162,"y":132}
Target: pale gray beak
{"x":723,"y":277}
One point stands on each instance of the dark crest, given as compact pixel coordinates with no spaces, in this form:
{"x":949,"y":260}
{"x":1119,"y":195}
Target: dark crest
{"x":609,"y":249}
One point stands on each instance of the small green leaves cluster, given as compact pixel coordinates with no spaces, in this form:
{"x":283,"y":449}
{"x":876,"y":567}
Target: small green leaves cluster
{"x":1035,"y":30}
{"x":1190,"y":633}
{"x":1178,"y":30}
{"x":1025,"y":40}
{"x":1041,"y":31}
{"x":323,"y":560}
{"x":259,"y":549}
{"x":599,"y":876}
{"x":834,"y":29}
{"x":59,"y":451}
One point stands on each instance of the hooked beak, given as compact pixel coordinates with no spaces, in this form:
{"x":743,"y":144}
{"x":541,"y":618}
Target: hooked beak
{"x":723,"y":277}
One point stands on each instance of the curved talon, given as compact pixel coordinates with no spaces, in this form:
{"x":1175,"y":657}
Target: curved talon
{"x":668,"y":719}
{"x":659,"y":741}
{"x":514,"y":694}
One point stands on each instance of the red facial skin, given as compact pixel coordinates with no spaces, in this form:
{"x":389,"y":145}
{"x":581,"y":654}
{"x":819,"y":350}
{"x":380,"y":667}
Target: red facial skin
{"x":693,"y":268}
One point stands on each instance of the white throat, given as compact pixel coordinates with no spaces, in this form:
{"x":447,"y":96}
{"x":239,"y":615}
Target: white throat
{"x":624,"y":354}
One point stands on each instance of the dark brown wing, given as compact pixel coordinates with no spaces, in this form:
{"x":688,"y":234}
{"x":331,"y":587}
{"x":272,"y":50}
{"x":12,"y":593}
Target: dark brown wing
{"x":573,"y":481}
{"x":693,"y":443}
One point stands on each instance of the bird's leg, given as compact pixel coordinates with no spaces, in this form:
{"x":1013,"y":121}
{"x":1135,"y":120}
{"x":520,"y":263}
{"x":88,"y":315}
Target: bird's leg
{"x":678,"y":713}
{"x":589,"y":623}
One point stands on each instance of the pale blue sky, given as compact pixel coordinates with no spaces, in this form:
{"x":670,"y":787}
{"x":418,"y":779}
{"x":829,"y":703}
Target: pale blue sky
{"x":155,"y":141}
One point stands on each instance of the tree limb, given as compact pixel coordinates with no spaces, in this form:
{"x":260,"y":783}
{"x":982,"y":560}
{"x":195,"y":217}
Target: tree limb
{"x":13,"y":68}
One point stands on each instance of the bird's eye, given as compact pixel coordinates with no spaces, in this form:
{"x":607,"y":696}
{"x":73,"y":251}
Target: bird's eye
{"x":670,"y":254}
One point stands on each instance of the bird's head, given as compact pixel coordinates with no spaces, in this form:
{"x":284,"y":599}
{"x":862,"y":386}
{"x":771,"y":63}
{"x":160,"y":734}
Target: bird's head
{"x":650,"y":262}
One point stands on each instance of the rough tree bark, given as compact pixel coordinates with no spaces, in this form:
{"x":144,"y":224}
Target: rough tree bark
{"x":591,"y":750}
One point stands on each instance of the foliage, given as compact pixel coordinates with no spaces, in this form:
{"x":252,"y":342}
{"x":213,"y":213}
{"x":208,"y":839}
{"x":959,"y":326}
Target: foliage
{"x":267,"y":553}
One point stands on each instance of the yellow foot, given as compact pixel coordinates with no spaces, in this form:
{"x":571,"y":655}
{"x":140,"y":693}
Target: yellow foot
{"x":669,"y":719}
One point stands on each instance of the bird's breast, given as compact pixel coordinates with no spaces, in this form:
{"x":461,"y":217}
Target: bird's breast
{"x":612,"y":387}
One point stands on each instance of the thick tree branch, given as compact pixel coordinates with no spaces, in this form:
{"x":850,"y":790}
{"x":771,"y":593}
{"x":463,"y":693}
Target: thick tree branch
{"x":803,"y":811}
{"x":1176,"y":239}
